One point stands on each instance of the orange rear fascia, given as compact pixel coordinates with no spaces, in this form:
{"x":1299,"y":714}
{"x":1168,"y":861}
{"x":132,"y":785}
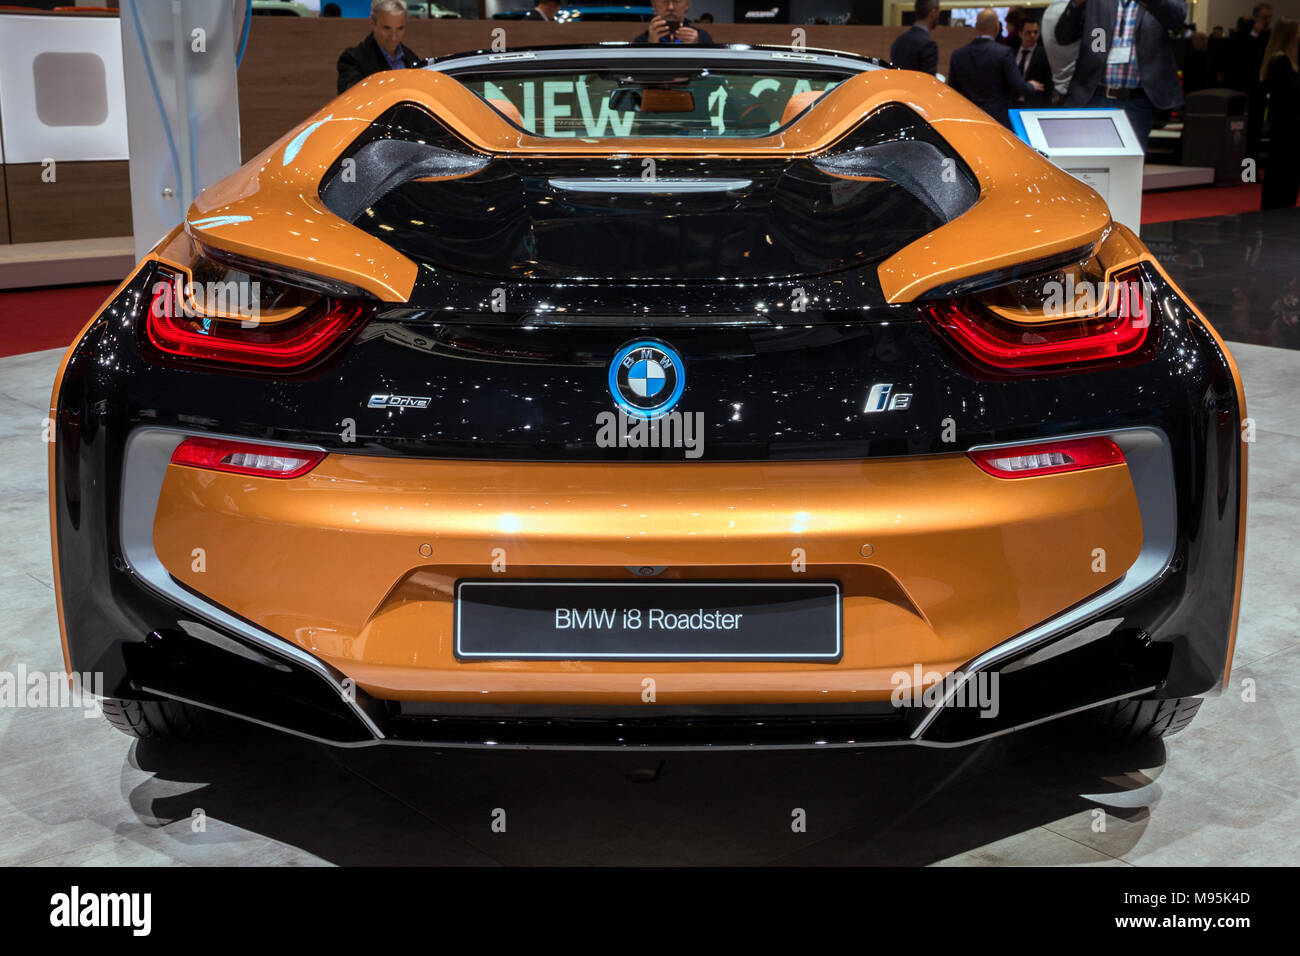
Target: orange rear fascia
{"x":958,"y":561}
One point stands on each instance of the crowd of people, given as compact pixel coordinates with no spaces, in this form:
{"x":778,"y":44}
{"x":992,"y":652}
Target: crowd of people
{"x":1130,"y":62}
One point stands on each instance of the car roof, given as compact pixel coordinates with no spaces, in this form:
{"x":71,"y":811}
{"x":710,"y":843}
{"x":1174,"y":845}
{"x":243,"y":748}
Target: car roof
{"x":633,"y":55}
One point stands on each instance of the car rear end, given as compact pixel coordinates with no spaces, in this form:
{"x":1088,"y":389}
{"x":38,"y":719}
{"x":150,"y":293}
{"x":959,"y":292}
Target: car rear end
{"x":903,"y":493}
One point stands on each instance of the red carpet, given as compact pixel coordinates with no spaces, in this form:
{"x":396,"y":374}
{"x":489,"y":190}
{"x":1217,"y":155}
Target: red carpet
{"x":36,"y":319}
{"x":1171,"y":205}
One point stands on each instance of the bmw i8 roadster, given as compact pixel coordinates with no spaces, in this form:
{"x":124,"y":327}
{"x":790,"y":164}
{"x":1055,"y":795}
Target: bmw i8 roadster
{"x":648,"y":397}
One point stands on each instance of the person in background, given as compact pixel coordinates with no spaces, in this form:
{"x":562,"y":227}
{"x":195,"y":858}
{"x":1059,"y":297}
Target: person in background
{"x":1061,"y":57}
{"x":669,"y":25}
{"x":1015,"y":17}
{"x":1134,"y":70}
{"x":915,"y":49}
{"x":1216,"y":33}
{"x":1031,"y":62}
{"x":984,"y":71}
{"x":704,"y":18}
{"x":382,"y":49}
{"x":1199,"y":69}
{"x":1279,"y":77}
{"x":1244,"y":57}
{"x":545,"y":10}
{"x":331,"y":10}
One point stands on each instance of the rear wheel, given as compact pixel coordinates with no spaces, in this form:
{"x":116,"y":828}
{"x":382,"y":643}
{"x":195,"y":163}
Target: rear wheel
{"x":1134,"y":718}
{"x":163,"y":719}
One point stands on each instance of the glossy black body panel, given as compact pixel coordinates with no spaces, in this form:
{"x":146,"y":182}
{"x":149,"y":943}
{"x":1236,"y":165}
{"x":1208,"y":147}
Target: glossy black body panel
{"x":791,"y":391}
{"x":787,"y":219}
{"x":549,"y":219}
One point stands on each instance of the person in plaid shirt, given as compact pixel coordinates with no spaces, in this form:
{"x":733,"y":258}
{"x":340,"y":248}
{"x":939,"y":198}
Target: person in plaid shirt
{"x":1126,"y":56}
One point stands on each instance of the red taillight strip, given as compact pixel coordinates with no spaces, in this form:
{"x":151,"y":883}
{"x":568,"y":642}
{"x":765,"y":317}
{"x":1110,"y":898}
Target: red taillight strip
{"x":286,"y":345}
{"x":246,"y":458}
{"x":1119,"y":331}
{"x":1047,"y":458}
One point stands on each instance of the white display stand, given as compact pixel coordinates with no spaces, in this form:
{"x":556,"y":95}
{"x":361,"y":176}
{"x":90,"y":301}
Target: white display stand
{"x":1095,"y":146}
{"x":182,"y":105}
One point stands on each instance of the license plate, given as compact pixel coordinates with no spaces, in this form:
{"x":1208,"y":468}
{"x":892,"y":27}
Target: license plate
{"x":648,"y":620}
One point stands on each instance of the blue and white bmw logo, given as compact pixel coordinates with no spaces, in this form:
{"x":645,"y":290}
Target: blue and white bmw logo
{"x":646,"y":378}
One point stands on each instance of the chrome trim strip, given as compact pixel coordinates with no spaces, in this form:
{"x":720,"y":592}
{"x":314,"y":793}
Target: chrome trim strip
{"x":1032,"y":723}
{"x":148,"y":452}
{"x":662,"y":184}
{"x":1151,"y":465}
{"x":157,"y":692}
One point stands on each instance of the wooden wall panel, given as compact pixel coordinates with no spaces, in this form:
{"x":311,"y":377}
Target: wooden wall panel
{"x":86,"y":201}
{"x":289,"y":68}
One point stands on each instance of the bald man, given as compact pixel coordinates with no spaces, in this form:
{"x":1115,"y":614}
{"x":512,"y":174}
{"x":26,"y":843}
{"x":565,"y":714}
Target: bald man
{"x":984,"y":71}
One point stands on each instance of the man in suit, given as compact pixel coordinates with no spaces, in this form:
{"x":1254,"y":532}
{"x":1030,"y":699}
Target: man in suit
{"x":545,"y":10}
{"x":915,"y":49}
{"x":984,"y":71}
{"x":1031,"y":63}
{"x":382,"y":49}
{"x":1130,"y":63}
{"x":669,"y":25}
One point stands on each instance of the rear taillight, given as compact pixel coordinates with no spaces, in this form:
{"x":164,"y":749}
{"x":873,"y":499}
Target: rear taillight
{"x":286,"y":338}
{"x":1117,"y":328}
{"x":1048,"y":458}
{"x":246,"y":458}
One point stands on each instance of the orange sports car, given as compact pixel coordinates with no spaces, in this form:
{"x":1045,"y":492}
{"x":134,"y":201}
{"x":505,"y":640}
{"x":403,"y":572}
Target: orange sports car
{"x":626,"y":396}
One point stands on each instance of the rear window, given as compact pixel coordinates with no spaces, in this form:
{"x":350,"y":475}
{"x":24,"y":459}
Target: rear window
{"x":687,"y":102}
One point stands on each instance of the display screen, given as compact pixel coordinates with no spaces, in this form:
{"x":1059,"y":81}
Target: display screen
{"x":1080,"y":132}
{"x":965,"y":16}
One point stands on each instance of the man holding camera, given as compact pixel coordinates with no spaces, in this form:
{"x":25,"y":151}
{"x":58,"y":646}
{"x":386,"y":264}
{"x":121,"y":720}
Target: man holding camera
{"x":670,"y":25}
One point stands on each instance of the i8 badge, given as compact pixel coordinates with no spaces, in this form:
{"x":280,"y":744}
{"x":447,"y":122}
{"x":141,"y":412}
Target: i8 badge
{"x":646,"y":379}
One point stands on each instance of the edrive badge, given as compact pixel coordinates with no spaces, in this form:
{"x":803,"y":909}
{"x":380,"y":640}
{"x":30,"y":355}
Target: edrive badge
{"x":646,"y":378}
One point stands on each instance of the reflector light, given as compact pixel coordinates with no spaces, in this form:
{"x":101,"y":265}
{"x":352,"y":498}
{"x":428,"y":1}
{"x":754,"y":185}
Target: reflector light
{"x":1118,"y":329}
{"x":245,"y":458}
{"x":1048,"y":458}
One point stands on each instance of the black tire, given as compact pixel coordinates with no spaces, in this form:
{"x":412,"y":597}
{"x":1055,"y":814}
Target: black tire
{"x":163,"y":719}
{"x":1135,"y":718}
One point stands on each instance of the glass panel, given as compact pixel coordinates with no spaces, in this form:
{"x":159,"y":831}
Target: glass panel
{"x":679,"y":102}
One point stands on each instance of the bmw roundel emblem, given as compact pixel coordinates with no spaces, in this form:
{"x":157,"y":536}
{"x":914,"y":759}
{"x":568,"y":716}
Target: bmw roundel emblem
{"x":646,"y":378}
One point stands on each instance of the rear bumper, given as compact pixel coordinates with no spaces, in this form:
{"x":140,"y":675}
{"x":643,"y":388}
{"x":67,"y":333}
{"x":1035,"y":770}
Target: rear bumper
{"x":375,"y":687}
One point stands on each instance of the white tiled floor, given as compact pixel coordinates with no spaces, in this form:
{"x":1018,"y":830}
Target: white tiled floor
{"x":73,"y":790}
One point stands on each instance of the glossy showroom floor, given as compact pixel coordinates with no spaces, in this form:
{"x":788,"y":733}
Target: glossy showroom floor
{"x":1227,"y":791}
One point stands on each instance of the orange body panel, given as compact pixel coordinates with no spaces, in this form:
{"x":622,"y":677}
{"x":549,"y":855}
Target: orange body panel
{"x":271,"y":208}
{"x":331,"y":561}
